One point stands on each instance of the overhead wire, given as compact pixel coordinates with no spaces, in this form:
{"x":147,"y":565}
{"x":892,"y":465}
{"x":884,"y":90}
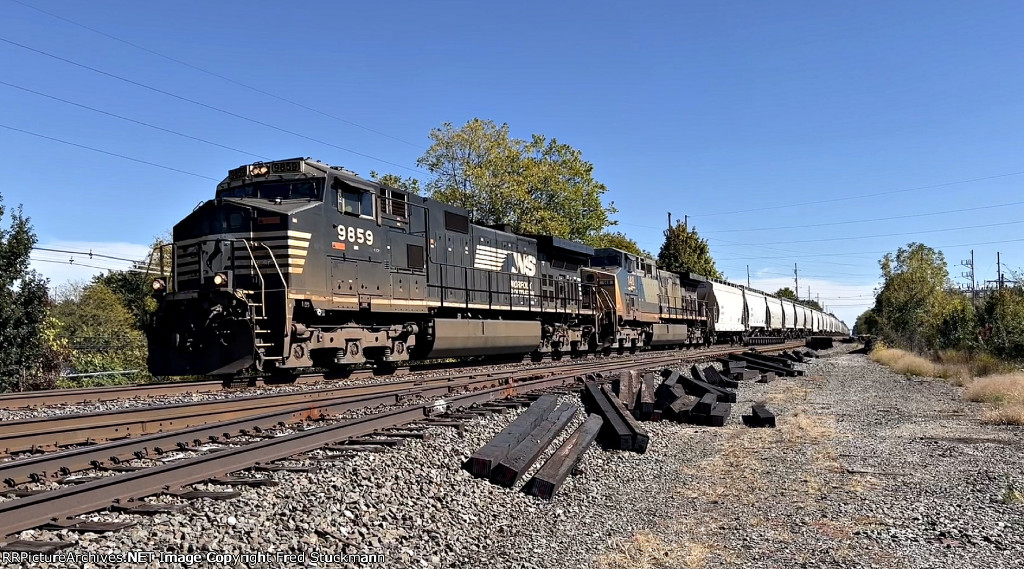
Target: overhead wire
{"x":860,"y":196}
{"x":89,"y":254}
{"x":883,"y":252}
{"x":205,"y":105}
{"x":107,"y":152}
{"x":822,"y":240}
{"x":124,"y":118}
{"x":215,"y":74}
{"x":89,"y":266}
{"x":851,"y":222}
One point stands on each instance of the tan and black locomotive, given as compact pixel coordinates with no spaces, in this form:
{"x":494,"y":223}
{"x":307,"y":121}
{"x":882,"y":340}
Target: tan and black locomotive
{"x":297,"y":264}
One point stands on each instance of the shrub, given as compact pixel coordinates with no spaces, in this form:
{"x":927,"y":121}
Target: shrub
{"x":1005,"y":388}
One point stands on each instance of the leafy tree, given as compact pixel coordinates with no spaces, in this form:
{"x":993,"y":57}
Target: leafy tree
{"x":909,"y":305}
{"x":409,"y":184}
{"x":134,"y":288}
{"x":616,"y":240}
{"x":813,"y":304}
{"x":100,"y":330}
{"x":23,"y":309}
{"x":955,"y":321}
{"x":866,"y":323}
{"x":684,"y":250}
{"x":1003,"y":320}
{"x":537,"y":186}
{"x":787,"y":293}
{"x":134,"y":291}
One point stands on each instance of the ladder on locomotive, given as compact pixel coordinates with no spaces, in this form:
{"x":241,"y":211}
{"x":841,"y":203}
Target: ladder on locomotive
{"x":258,"y":310}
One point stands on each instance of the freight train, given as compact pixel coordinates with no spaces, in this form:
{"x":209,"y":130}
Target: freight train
{"x":297,"y":264}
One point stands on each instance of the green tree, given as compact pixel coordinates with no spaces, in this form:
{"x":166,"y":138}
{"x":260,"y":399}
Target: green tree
{"x":616,"y":240}
{"x":134,"y":290}
{"x":812,"y":304}
{"x":866,"y":323}
{"x":101,"y":332}
{"x":685,"y":251}
{"x":134,"y":287}
{"x":910,"y":303}
{"x":538,"y":186}
{"x":787,"y":293}
{"x":23,"y":310}
{"x":408,"y":184}
{"x":956,"y":324}
{"x":1003,"y":319}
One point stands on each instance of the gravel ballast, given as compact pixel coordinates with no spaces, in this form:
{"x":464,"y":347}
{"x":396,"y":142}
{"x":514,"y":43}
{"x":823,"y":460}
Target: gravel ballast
{"x":866,"y":469}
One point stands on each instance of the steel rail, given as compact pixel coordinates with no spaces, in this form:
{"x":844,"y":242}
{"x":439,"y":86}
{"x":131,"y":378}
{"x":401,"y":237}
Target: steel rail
{"x":77,"y":395}
{"x":81,"y":395}
{"x":50,"y":465}
{"x":31,"y":511}
{"x":39,"y":433}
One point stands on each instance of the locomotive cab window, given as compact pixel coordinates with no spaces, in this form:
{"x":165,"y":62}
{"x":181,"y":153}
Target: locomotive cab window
{"x":354,"y":200}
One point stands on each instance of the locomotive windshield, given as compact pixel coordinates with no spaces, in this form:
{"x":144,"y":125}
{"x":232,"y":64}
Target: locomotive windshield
{"x":273,"y":190}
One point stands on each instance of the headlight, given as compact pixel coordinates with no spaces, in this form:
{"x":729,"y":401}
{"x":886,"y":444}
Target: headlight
{"x":159,"y":285}
{"x":220,"y":279}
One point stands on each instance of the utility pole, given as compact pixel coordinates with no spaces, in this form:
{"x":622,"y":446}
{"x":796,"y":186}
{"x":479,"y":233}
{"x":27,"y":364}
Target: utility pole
{"x":796,"y":281}
{"x":970,"y":265}
{"x":748,"y":276}
{"x":670,"y":221}
{"x":686,"y":234}
{"x":999,"y":267}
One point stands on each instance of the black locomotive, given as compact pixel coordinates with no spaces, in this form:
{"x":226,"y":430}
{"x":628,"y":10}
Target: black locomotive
{"x":297,"y":264}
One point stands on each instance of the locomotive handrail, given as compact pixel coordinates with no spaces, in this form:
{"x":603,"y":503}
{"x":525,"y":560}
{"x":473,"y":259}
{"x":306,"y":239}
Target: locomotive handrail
{"x":280,"y":275}
{"x":259,"y":273}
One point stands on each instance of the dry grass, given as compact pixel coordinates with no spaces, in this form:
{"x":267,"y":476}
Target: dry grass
{"x":647,"y":551}
{"x":956,"y":366}
{"x":1005,"y":395}
{"x":1012,"y":495}
{"x":905,"y":362}
{"x":802,"y":428}
{"x":1005,"y":388}
{"x":1010,"y":415}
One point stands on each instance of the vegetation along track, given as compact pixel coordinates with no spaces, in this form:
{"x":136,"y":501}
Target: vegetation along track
{"x":122,"y":489}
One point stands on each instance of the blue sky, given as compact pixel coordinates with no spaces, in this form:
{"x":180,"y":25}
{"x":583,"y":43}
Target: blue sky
{"x":738,"y":114}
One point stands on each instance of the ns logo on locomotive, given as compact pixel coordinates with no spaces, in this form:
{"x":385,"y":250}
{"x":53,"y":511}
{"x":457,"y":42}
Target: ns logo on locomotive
{"x":296,"y":264}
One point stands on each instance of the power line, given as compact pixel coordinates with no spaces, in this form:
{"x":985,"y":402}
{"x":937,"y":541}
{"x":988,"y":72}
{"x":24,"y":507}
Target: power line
{"x":107,"y":152}
{"x":89,"y":254}
{"x":781,"y":251}
{"x":876,"y":252}
{"x":153,"y":126}
{"x":204,"y":105}
{"x":986,"y":225}
{"x":860,"y":196}
{"x":74,"y":264}
{"x":217,"y":75}
{"x":961,"y":210}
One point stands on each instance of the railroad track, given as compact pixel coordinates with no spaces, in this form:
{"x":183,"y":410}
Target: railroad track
{"x":127,"y":488}
{"x":39,"y":434}
{"x":51,"y":432}
{"x":84,"y":395}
